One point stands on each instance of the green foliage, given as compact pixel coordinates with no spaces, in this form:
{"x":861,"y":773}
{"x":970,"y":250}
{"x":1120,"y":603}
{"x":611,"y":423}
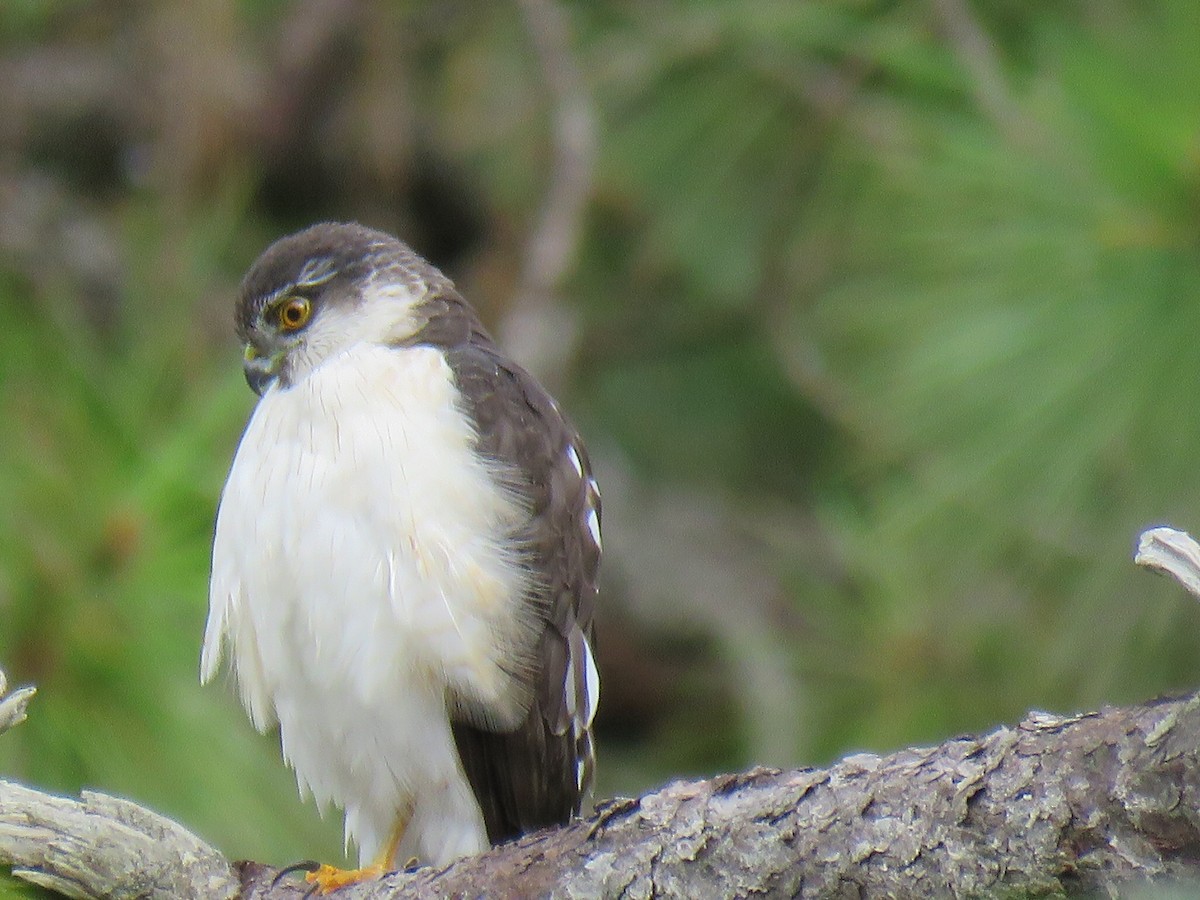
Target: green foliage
{"x":12,"y":888}
{"x":27,"y":20}
{"x":1011,"y":325}
{"x":994,"y":317}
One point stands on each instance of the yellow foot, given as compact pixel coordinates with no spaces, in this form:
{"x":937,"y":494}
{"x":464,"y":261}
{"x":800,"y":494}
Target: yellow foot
{"x":327,"y":878}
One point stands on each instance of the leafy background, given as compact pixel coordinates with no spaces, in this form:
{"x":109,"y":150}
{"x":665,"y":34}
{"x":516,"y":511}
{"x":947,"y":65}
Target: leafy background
{"x":881,"y":327}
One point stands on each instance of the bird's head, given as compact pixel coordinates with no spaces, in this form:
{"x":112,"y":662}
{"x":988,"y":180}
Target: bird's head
{"x":318,"y":292}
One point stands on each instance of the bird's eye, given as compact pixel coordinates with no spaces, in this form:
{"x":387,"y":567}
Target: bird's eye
{"x":294,"y":314}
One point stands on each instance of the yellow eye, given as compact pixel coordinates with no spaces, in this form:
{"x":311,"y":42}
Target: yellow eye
{"x":294,"y":314}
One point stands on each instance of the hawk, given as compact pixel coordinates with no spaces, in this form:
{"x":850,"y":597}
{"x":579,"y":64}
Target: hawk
{"x":405,"y":558}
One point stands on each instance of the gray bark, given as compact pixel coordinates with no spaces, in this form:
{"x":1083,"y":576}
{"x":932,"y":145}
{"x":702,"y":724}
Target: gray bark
{"x":1082,"y":805}
{"x":101,"y":846}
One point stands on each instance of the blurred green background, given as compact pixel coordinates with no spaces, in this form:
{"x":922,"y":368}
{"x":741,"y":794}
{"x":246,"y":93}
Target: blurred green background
{"x":881,"y":320}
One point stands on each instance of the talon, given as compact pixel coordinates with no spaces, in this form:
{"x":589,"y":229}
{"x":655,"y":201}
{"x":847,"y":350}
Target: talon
{"x":305,"y":865}
{"x":326,"y":878}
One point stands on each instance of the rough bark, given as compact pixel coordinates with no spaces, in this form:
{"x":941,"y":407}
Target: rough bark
{"x":101,"y":846}
{"x":1077,"y":805}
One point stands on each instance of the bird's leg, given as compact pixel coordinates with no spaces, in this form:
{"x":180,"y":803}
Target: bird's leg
{"x":326,"y":878}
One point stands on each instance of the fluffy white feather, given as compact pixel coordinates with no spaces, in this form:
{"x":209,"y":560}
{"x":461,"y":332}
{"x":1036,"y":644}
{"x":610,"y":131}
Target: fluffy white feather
{"x":355,"y":592}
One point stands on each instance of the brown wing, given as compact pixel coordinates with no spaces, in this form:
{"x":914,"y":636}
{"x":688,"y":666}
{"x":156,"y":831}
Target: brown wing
{"x":536,"y":775}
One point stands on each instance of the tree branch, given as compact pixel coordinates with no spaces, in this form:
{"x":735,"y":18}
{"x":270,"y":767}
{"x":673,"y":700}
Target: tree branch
{"x":979,"y":58}
{"x":537,"y":328}
{"x":1076,"y":805}
{"x":102,"y":846}
{"x":13,"y":706}
{"x":1173,"y":553}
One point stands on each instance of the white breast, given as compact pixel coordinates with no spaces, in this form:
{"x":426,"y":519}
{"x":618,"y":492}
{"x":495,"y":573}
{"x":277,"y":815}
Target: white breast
{"x":361,"y":575}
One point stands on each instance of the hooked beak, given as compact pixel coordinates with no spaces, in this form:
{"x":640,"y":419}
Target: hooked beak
{"x":260,"y":370}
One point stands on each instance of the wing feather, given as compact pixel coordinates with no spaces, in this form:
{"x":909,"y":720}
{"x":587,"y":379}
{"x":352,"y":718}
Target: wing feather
{"x":537,"y":774}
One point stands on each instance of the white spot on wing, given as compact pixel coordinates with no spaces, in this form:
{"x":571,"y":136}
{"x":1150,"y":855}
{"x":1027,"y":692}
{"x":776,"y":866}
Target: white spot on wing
{"x":572,"y":700}
{"x":582,"y":675}
{"x":591,"y":676}
{"x":573,"y":456}
{"x":593,"y":524}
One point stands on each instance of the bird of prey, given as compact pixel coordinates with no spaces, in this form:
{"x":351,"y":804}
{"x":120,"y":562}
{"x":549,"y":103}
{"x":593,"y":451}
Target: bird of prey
{"x":405,"y":559}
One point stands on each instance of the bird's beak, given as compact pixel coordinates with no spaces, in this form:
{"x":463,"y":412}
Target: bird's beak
{"x":260,"y":370}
